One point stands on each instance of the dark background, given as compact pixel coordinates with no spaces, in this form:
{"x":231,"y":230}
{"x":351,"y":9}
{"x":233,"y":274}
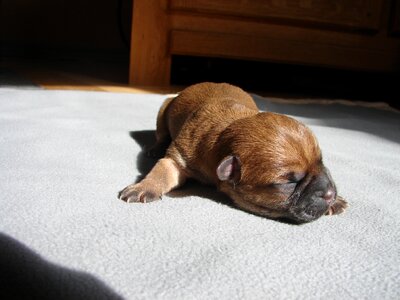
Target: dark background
{"x":99,"y":31}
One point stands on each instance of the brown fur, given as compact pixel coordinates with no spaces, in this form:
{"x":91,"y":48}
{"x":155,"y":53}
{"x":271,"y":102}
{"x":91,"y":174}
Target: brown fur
{"x":210,"y":123}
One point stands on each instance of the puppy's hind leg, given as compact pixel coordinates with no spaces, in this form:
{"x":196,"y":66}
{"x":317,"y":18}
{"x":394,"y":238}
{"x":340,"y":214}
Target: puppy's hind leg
{"x":164,"y":177}
{"x":163,"y":138}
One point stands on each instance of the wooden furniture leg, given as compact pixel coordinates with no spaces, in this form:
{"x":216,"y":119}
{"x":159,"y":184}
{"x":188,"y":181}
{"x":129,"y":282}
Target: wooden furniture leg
{"x":150,"y":58}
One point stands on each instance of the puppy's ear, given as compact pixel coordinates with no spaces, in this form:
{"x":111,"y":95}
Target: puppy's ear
{"x":229,"y":169}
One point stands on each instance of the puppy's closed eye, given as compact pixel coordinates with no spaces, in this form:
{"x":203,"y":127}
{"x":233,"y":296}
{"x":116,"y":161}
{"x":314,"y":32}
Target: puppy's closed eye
{"x":286,"y":187}
{"x":293,"y":177}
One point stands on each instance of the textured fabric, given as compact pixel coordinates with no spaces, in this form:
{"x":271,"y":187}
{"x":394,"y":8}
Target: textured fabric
{"x":64,"y":234}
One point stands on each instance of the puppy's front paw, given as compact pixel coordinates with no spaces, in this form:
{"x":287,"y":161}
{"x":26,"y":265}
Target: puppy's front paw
{"x":338,"y":207}
{"x":139,"y":192}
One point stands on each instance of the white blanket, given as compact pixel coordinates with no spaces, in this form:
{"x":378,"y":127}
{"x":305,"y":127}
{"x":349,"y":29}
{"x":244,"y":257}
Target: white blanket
{"x":64,"y":155}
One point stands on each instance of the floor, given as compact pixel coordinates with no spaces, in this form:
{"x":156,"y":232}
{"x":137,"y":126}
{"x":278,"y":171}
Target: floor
{"x":109,"y":76}
{"x":112,"y":76}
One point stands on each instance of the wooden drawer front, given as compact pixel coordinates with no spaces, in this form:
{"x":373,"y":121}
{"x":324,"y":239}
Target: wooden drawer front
{"x":351,"y":14}
{"x":281,"y":50}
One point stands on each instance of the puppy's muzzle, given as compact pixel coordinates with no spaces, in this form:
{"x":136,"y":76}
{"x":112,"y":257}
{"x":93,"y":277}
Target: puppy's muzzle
{"x":312,"y":198}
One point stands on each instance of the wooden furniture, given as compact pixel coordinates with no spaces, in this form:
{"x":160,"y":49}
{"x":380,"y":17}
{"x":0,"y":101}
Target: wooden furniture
{"x":356,"y":35}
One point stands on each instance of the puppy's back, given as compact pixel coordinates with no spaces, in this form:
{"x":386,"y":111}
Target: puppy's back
{"x":196,"y":96}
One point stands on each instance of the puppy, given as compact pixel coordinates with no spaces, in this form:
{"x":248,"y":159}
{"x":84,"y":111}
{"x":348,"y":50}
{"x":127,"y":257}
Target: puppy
{"x":268,"y":164}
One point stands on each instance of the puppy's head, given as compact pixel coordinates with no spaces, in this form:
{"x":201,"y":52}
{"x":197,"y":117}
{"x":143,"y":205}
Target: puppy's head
{"x":271,"y":165}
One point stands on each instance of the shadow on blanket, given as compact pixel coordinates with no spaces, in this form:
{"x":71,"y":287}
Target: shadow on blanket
{"x":368,"y":120}
{"x":25,"y":275}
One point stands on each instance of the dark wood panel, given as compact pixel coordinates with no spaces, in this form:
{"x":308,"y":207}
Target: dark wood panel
{"x":378,"y":42}
{"x":280,"y":50}
{"x":361,"y":14}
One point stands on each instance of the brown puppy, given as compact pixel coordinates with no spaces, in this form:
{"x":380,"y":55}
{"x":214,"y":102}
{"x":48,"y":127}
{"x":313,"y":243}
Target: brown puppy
{"x":269,"y":164}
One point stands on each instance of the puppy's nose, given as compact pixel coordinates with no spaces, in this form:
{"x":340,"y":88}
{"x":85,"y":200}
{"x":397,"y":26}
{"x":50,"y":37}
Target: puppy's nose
{"x":329,"y":196}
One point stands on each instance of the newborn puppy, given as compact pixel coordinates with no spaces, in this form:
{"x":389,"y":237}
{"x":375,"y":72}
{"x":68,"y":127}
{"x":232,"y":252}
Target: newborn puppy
{"x":268,"y":164}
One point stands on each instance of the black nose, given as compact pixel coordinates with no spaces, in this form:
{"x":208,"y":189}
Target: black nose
{"x":329,"y":196}
{"x":323,"y":186}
